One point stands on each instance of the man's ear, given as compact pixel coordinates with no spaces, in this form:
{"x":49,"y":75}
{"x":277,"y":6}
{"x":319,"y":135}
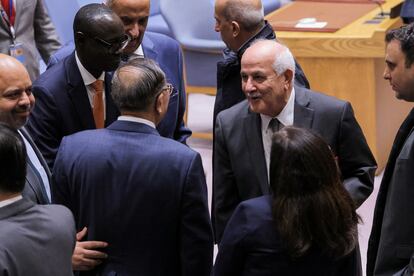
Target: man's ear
{"x":288,"y":74}
{"x":159,"y":103}
{"x":235,"y":28}
{"x":79,"y":38}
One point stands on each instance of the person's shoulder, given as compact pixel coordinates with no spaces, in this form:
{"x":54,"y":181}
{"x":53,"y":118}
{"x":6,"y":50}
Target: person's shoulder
{"x":257,"y":206}
{"x":237,"y":110}
{"x":54,"y":77}
{"x":160,"y":39}
{"x":319,"y":101}
{"x":319,"y":97}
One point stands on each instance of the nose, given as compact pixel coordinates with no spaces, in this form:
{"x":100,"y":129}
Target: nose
{"x":386,"y":74}
{"x":25,"y":99}
{"x":216,"y":27}
{"x":249,"y":85}
{"x":133,"y":31}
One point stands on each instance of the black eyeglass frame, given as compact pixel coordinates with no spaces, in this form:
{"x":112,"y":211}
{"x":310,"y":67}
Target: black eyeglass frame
{"x":114,"y":47}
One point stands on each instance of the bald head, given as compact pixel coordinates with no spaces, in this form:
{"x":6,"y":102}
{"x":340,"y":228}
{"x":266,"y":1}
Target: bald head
{"x":248,"y":13}
{"x":280,"y":55}
{"x":16,"y":99}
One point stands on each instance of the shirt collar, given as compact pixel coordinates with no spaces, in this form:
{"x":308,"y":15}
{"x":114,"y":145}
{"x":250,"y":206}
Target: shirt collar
{"x":136,"y":120}
{"x":285,"y":116}
{"x":138,"y":52}
{"x":87,"y":77}
{"x":10,"y":201}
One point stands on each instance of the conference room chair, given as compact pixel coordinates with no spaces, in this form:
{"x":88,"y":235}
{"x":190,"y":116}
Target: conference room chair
{"x":192,"y":25}
{"x":156,"y":22}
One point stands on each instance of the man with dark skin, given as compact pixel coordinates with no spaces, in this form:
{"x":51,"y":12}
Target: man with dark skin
{"x":74,"y":95}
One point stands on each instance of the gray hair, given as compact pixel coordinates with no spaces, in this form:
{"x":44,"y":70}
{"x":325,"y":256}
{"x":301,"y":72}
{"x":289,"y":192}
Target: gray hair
{"x":284,"y":61}
{"x":136,"y":85}
{"x":245,"y":13}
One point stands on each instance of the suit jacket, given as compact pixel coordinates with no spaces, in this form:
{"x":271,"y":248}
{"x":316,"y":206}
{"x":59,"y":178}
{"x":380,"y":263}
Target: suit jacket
{"x":36,"y":239}
{"x":34,"y":188}
{"x":166,"y":52}
{"x":62,"y":107}
{"x":252,"y":246}
{"x":391,"y":243}
{"x":143,"y":194}
{"x":35,"y":30}
{"x":239,"y":169}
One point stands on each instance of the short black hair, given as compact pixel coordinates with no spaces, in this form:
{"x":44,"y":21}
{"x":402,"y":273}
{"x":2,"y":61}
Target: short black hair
{"x":12,"y":160}
{"x":405,"y":35}
{"x":86,"y":17}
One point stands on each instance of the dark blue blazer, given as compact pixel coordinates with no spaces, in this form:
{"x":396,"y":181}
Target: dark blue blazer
{"x":142,"y":193}
{"x":166,"y":52}
{"x":252,"y":246}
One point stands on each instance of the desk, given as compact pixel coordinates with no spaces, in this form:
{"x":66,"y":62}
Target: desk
{"x":349,"y":64}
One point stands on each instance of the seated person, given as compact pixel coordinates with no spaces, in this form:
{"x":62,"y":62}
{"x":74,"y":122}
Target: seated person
{"x":307,"y":226}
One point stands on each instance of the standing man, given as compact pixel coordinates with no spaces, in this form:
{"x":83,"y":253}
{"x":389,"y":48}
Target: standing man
{"x":243,"y":133}
{"x":142,"y":193}
{"x":240,"y":22}
{"x":16,"y":104}
{"x":25,"y":29}
{"x":74,"y":95}
{"x":35,"y":239}
{"x":158,"y":47}
{"x":391,"y":243}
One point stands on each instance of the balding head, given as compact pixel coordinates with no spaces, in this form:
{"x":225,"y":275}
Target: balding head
{"x":138,"y":86}
{"x":16,"y":99}
{"x":238,"y":20}
{"x":267,"y":70}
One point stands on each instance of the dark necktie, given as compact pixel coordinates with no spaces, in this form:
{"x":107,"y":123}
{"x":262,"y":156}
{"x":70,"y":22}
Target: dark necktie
{"x":275,"y":125}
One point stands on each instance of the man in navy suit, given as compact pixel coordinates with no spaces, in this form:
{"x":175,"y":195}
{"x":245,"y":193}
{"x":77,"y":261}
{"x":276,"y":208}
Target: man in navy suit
{"x":75,"y":94}
{"x":142,"y":193}
{"x":161,"y":48}
{"x":16,"y":104}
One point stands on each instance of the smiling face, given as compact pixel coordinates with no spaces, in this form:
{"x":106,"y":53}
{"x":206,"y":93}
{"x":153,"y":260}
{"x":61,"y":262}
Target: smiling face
{"x":400,"y":76}
{"x":134,"y":15}
{"x":266,"y":91}
{"x":16,"y":98}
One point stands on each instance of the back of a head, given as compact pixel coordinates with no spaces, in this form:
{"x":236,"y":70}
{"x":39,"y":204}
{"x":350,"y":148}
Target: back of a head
{"x":405,"y":35}
{"x":248,"y":13}
{"x":12,"y":160}
{"x":310,"y":206}
{"x":136,"y":85}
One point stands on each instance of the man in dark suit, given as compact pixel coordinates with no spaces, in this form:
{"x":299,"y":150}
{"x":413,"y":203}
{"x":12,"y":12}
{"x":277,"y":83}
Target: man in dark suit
{"x":243,"y":132}
{"x":16,"y":103}
{"x":35,"y":239}
{"x":391,"y":244}
{"x":75,"y":94}
{"x":164,"y":50}
{"x":240,"y":22}
{"x":142,"y":193}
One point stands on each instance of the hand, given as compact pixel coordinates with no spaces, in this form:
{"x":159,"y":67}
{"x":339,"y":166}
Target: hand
{"x":84,"y":257}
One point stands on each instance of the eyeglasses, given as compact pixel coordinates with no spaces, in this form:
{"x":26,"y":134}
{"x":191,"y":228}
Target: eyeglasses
{"x":112,"y":47}
{"x":169,"y":87}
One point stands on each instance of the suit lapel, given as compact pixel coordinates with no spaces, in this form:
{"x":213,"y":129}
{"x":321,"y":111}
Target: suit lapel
{"x":37,"y":151}
{"x":148,"y":48}
{"x":112,"y":111}
{"x":253,"y":138}
{"x":303,"y":116}
{"x":78,"y":94}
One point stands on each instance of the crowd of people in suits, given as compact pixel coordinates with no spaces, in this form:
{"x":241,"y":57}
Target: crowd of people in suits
{"x":100,"y":135}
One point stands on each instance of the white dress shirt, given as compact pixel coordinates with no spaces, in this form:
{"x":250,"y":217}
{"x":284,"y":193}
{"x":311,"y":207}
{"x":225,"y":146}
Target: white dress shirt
{"x":285,"y":117}
{"x":88,"y":79}
{"x":136,"y":120}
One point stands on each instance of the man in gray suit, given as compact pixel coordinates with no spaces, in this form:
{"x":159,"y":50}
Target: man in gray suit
{"x":243,"y":132}
{"x":25,"y":29}
{"x":35,"y":239}
{"x":16,"y":103}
